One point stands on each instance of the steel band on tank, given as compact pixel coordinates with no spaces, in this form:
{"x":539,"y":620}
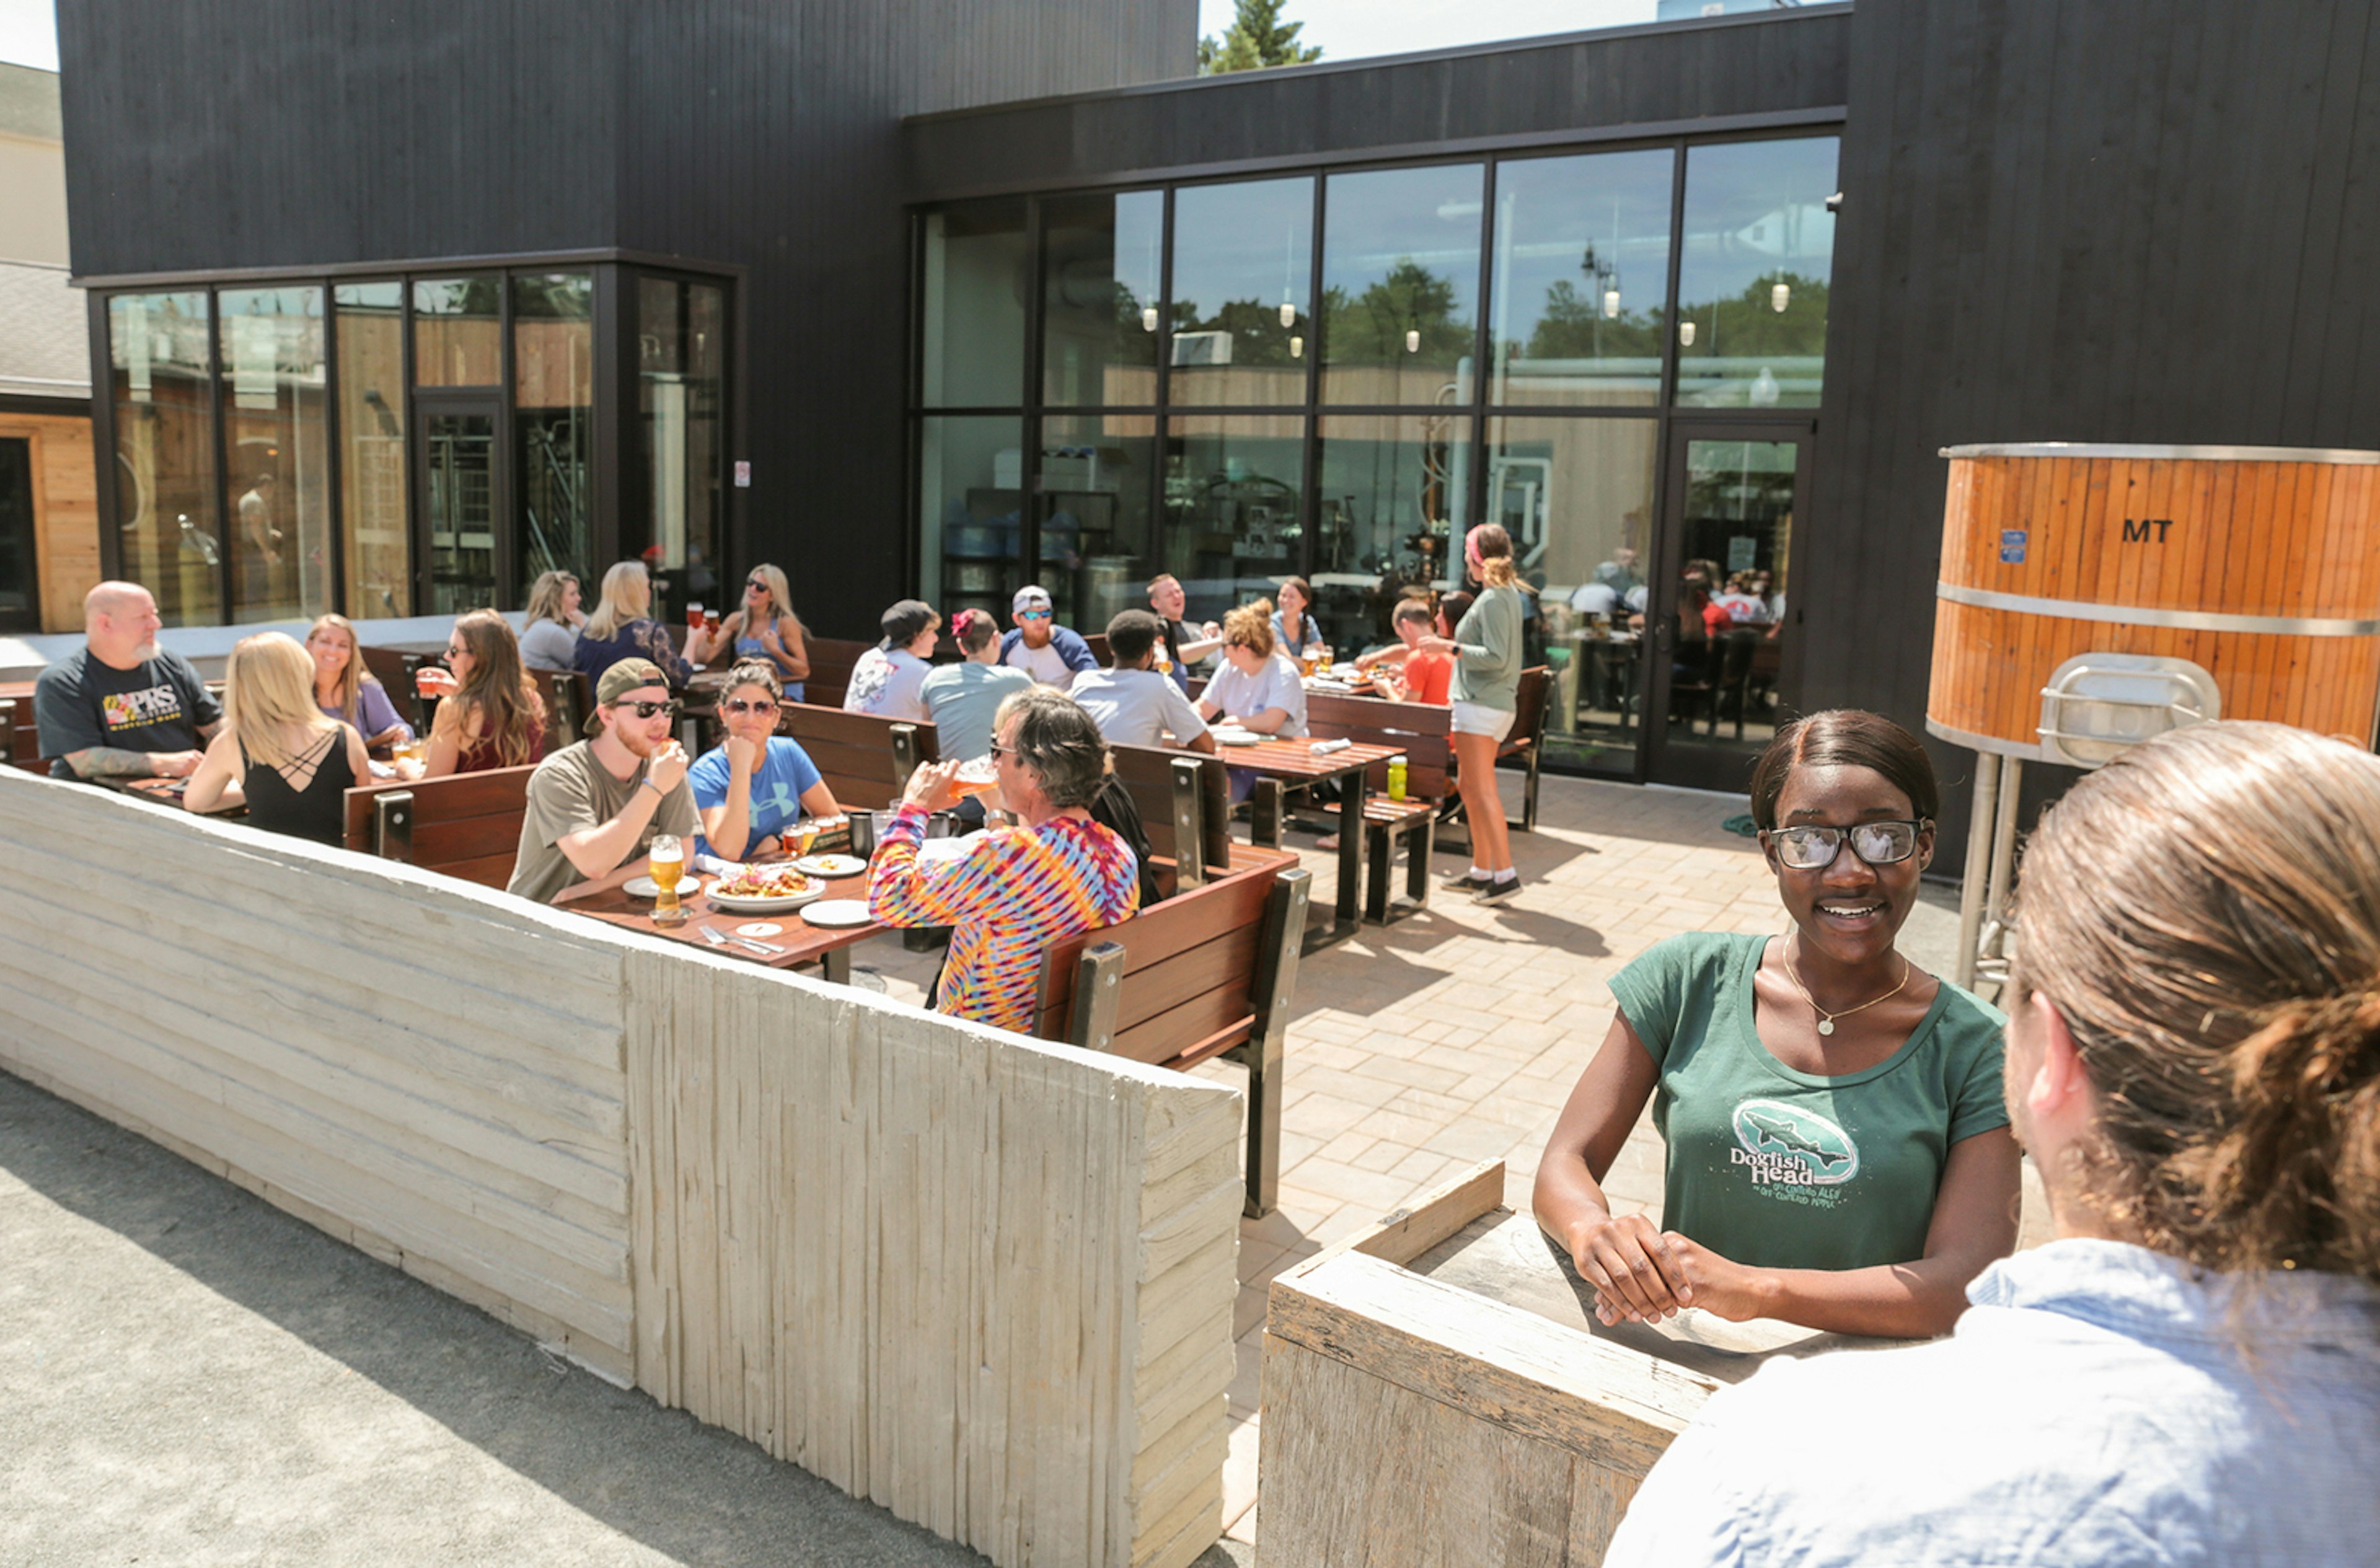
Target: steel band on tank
{"x":2175,"y":620}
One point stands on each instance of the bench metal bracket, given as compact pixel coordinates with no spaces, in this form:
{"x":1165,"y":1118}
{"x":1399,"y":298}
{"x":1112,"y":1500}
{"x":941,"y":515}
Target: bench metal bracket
{"x":1276,"y":987}
{"x":1098,"y":997}
{"x":905,"y":758}
{"x":393,"y":825}
{"x":1189,"y":823}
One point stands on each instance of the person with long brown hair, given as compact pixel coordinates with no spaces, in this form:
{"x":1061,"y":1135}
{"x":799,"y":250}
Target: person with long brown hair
{"x":2190,"y":1372}
{"x":1485,"y":694}
{"x":495,"y":718}
{"x":278,"y":753}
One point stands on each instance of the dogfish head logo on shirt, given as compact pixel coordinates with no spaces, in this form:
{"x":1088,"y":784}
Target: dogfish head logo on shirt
{"x":1792,"y":1146}
{"x":161,"y":704}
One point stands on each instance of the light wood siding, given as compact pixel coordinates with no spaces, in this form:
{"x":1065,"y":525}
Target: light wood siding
{"x":982,"y":1280}
{"x":65,"y":511}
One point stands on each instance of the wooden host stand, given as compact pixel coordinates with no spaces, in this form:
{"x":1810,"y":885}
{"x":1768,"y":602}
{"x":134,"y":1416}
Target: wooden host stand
{"x":1437,"y":1390}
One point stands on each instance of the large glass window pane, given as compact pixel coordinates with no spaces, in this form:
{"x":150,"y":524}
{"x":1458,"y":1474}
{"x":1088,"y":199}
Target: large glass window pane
{"x":1751,"y":280}
{"x":1576,"y":495}
{"x":681,"y":359}
{"x":1233,"y":522}
{"x":1738,"y":512}
{"x":277,"y":443}
{"x":553,"y":421}
{"x":371,"y":318}
{"x":1579,"y":296}
{"x":166,"y":453}
{"x":978,"y":268}
{"x":1097,"y":539}
{"x":1242,"y":267}
{"x":1400,"y":282}
{"x":459,"y":332}
{"x":970,"y":517}
{"x":1394,"y":492}
{"x":1102,"y":259}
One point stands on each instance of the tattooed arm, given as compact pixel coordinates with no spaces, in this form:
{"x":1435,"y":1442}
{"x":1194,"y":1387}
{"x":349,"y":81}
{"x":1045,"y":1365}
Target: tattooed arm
{"x":115,"y":763}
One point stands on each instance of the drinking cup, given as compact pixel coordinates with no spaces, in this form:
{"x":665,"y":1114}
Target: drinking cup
{"x":667,"y":861}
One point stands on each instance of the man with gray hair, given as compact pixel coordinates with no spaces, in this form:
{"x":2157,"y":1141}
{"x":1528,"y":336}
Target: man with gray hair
{"x":1016,"y":889}
{"x":120,"y":705}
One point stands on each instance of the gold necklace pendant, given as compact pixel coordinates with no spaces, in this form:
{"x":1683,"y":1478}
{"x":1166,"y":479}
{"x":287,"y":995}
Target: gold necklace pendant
{"x":1827,"y":1019}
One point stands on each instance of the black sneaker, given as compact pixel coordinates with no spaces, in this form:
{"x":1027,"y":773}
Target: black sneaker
{"x":1464,"y":879}
{"x":1497,"y":891}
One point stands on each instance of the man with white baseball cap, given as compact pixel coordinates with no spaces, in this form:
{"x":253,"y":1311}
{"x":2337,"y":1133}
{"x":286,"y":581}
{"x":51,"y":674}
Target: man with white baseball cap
{"x":1052,"y":654}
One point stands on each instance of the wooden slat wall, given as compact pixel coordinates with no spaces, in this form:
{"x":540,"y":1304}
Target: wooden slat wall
{"x":1003,"y":1271}
{"x":426,"y":1070}
{"x":982,"y":1280}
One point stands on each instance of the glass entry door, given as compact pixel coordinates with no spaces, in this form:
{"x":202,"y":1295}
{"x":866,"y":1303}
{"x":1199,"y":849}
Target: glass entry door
{"x":461,"y":480}
{"x":1720,"y":624}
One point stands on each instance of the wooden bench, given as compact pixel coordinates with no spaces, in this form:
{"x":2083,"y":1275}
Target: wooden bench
{"x":830,"y":661}
{"x":466,"y":825}
{"x":20,"y":741}
{"x":568,"y":699}
{"x":394,"y":670}
{"x":1209,"y":972}
{"x":1423,"y":731}
{"x":865,"y":760}
{"x":1184,"y":801}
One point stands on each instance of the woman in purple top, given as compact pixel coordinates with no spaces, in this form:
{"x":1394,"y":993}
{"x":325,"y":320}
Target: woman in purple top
{"x":345,"y":692}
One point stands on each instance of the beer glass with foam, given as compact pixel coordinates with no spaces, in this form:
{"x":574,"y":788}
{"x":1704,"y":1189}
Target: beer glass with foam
{"x":667,"y":859}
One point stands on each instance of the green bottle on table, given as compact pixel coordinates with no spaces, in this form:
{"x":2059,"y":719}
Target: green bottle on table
{"x":1397,"y":776}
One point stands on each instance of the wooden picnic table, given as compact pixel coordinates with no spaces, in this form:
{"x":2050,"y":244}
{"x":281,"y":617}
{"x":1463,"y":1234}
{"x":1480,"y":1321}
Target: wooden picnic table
{"x":1295,"y":762}
{"x":803,"y":943}
{"x":165,"y":792}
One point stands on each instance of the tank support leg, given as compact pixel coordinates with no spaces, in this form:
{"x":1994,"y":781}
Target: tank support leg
{"x":1979,"y":864}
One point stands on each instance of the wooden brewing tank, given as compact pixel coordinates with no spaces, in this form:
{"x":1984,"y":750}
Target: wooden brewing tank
{"x":2108,"y":592}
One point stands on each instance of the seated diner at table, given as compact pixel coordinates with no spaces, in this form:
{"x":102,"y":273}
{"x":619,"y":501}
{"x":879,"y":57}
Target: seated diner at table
{"x":344,"y":690}
{"x":622,"y":627}
{"x":963,"y":699}
{"x":2187,"y":1372}
{"x":885,"y":679}
{"x":550,"y":626}
{"x":1405,"y":671}
{"x":1129,"y":701}
{"x":490,"y":714}
{"x":764,"y":627}
{"x":1185,"y":646}
{"x":1838,"y":1154}
{"x":1257,"y":688}
{"x":756,"y":782}
{"x":1293,"y":628}
{"x":596,"y":804}
{"x":1053,"y":655}
{"x":120,"y":705}
{"x":278,"y":753}
{"x":1016,"y":889}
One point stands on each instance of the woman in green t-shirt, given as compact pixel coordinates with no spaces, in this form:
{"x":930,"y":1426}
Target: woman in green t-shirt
{"x":1838,"y":1148}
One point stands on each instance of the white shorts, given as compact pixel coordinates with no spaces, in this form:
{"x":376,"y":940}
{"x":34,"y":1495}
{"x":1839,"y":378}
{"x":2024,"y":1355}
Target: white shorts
{"x":1470,"y":718}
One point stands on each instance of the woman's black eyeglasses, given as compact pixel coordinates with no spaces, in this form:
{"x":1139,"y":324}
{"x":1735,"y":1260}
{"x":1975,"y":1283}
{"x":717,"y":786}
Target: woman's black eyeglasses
{"x":1813,"y":849}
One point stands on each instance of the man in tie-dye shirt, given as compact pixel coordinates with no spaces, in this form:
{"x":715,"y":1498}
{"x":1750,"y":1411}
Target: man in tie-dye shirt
{"x":1017,"y":889}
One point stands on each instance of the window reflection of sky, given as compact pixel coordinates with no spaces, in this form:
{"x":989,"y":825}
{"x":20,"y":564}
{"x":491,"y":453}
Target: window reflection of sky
{"x":1755,"y":208}
{"x":1373,"y":221}
{"x":1243,"y":242}
{"x":1549,"y":209}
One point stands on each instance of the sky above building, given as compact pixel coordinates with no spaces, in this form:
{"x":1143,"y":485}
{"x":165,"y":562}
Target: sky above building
{"x":29,"y":33}
{"x":1350,"y":29}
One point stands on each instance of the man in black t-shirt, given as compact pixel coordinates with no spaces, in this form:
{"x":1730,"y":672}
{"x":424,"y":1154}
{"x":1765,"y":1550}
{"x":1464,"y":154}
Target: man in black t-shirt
{"x":121,"y":707}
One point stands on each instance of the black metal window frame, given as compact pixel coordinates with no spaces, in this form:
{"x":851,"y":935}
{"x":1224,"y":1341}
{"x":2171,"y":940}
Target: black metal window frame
{"x":612,"y":327}
{"x":1673,"y":420}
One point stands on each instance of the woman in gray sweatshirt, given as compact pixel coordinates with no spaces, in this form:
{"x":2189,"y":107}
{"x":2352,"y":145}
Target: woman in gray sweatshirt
{"x":1487,"y":650}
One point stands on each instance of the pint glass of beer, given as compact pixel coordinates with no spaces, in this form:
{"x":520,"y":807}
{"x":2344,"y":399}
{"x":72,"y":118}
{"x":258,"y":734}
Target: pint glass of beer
{"x":667,"y":859}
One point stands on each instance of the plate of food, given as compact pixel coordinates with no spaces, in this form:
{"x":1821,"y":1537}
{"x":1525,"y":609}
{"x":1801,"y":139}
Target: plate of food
{"x":765,"y":890}
{"x":830,"y":866}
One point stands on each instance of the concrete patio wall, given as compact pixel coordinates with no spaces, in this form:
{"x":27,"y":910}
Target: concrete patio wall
{"x":982,"y":1280}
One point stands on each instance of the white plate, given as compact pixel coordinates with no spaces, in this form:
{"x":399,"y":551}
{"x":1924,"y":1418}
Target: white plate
{"x":837,"y":912}
{"x":762,"y":906}
{"x":1231,"y":735}
{"x":758,"y":929}
{"x":830,"y":866}
{"x":645,"y":887}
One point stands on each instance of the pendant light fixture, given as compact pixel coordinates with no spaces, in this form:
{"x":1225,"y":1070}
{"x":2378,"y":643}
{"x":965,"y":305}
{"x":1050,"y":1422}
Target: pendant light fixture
{"x":1686,"y":333}
{"x":1611,"y":300}
{"x":1413,"y":335}
{"x":1148,"y":318}
{"x":1288,"y":314}
{"x":1778,"y":298}
{"x":1296,"y":346}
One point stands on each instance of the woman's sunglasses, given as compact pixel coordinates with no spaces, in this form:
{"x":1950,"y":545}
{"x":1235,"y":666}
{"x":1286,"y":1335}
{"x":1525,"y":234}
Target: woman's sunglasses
{"x":1813,"y":849}
{"x":738,"y":705}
